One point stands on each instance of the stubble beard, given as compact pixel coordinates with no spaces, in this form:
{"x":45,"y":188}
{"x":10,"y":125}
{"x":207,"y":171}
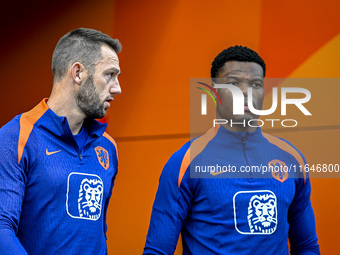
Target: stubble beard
{"x":88,"y":100}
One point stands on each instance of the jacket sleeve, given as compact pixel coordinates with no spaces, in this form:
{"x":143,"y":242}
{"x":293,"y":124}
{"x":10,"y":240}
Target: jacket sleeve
{"x":170,"y":208}
{"x":9,"y":244}
{"x":12,"y":190}
{"x":302,"y":230}
{"x":115,"y":162}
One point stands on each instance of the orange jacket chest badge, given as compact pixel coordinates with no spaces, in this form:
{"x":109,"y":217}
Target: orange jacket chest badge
{"x":103,"y":157}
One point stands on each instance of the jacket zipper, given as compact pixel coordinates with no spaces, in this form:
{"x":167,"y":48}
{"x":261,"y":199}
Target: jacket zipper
{"x":245,"y":155}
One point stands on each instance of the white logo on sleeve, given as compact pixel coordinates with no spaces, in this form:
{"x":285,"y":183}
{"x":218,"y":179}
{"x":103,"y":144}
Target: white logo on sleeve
{"x":84,"y":196}
{"x":255,"y":212}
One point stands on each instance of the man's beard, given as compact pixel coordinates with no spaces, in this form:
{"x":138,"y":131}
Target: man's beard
{"x":88,"y":100}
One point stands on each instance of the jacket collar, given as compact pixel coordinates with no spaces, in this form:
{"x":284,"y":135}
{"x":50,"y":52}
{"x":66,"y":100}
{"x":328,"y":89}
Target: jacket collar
{"x":60,"y":127}
{"x":257,"y":134}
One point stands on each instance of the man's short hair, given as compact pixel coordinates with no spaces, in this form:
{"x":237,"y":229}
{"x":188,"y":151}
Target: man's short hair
{"x":236,"y":53}
{"x":80,"y":45}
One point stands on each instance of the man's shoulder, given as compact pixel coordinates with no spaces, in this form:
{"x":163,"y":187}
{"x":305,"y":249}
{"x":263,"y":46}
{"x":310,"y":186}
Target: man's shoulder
{"x":180,"y":153}
{"x":18,"y":134}
{"x":24,"y":122}
{"x":10,"y":129}
{"x":9,"y":137}
{"x":176,"y":160}
{"x":106,"y":141}
{"x":193,"y":147}
{"x":110,"y":139}
{"x":288,"y":149}
{"x":281,"y":143}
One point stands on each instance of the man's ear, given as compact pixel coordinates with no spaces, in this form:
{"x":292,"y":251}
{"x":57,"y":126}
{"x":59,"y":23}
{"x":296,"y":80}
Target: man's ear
{"x":77,"y":71}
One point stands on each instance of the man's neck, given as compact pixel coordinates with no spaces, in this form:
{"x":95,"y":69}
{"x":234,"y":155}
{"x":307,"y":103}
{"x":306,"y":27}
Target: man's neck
{"x":238,"y":127}
{"x":67,"y":109}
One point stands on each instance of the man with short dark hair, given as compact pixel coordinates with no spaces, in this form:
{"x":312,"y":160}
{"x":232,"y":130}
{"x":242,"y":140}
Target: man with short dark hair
{"x":58,"y":165}
{"x":226,"y":212}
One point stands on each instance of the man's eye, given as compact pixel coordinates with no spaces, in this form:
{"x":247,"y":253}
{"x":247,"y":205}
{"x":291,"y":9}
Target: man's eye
{"x":235,"y":83}
{"x":257,"y":85}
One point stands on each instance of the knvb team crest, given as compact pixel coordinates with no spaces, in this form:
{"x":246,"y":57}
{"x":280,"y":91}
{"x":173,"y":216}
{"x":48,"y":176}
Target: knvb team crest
{"x":255,"y":212}
{"x":279,"y":170}
{"x":103,"y":157}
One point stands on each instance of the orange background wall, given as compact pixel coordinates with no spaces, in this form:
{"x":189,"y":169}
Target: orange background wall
{"x":165,"y":43}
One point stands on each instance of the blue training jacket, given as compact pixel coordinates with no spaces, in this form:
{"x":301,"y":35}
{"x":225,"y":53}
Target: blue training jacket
{"x":53,"y":194}
{"x":234,"y":193}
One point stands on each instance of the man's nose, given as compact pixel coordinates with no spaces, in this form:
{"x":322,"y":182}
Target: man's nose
{"x":244,"y":88}
{"x":116,"y":89}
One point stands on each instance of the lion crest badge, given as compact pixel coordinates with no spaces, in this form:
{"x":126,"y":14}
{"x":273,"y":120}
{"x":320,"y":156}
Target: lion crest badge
{"x":262,"y":214}
{"x":90,"y":198}
{"x":255,"y":212}
{"x":84,"y":197}
{"x":103,"y":157}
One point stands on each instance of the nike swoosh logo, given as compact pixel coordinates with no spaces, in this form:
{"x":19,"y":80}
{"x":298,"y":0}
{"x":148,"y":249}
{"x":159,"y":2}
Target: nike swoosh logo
{"x":217,"y":173}
{"x":52,"y":152}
